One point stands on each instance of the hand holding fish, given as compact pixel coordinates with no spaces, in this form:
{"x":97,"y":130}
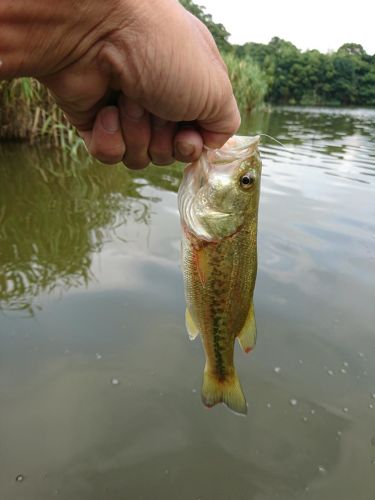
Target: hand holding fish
{"x":127,"y":74}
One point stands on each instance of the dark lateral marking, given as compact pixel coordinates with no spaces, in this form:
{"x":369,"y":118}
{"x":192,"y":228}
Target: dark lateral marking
{"x":219,"y":362}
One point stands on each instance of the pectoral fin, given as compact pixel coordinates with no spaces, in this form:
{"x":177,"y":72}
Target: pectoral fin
{"x":191,"y":326}
{"x":248,"y":335}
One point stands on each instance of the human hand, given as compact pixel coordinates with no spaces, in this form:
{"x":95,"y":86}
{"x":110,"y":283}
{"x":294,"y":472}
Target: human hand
{"x":146,"y":83}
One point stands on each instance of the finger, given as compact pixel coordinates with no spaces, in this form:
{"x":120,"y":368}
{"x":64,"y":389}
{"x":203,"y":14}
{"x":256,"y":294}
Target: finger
{"x":217,"y":129}
{"x":214,"y":140}
{"x":135,"y":125}
{"x":161,"y":144}
{"x":188,"y":145}
{"x":105,"y":141}
{"x":80,"y":91}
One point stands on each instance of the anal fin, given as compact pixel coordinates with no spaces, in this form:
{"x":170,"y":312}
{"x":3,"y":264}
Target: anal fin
{"x":248,"y":335}
{"x":191,"y":326}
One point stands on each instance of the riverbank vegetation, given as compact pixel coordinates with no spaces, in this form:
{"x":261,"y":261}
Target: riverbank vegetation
{"x":28,"y":113}
{"x":275,"y":73}
{"x":291,"y":76}
{"x":345,"y":77}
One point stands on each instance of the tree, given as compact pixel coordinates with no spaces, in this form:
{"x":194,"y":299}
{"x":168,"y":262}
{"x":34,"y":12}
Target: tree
{"x":217,"y":30}
{"x":291,"y":76}
{"x":351,"y":49}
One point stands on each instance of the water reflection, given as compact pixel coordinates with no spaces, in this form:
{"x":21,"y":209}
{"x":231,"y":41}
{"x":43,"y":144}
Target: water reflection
{"x":99,"y":389}
{"x":55,"y":213}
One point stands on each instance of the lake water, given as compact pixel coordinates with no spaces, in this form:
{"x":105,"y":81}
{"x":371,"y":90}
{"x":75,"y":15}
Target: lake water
{"x":99,"y":384}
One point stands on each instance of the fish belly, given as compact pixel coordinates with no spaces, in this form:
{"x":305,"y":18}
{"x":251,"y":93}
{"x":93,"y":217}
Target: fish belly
{"x":219,"y":280}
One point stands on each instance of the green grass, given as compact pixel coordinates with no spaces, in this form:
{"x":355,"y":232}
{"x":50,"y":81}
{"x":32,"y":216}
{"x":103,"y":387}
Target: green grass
{"x":29,"y":114}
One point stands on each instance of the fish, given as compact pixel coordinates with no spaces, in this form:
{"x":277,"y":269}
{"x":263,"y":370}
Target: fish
{"x":218,"y":201}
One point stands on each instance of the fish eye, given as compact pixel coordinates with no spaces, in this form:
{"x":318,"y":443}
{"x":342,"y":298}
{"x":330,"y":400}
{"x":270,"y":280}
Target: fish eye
{"x":247,"y":180}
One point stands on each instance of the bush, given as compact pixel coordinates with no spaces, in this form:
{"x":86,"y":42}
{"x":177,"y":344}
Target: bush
{"x":28,"y":113}
{"x":249,"y":83}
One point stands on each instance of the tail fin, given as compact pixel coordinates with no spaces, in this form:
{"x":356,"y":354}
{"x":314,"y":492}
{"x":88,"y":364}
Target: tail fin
{"x":228,"y":391}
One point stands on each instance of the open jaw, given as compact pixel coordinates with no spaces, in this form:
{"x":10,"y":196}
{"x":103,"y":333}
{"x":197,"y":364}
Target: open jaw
{"x":237,"y":148}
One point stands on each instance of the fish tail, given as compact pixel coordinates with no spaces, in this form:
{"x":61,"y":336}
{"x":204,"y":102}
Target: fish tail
{"x":227,"y":391}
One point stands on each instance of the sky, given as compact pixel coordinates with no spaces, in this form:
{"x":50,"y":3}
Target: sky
{"x":319,"y":24}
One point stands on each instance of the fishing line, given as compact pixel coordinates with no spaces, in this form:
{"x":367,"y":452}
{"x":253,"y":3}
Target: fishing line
{"x":270,"y":137}
{"x":264,"y":135}
{"x":278,"y":142}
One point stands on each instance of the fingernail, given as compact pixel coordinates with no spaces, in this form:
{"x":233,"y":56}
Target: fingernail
{"x":110,"y":119}
{"x":185,"y":149}
{"x":133,"y":110}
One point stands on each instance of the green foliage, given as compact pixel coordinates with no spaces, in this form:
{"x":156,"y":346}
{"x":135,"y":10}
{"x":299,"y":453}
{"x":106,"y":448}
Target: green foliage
{"x":283,"y":74}
{"x":247,"y":79}
{"x":28,"y":113}
{"x":346,"y":76}
{"x":217,"y":30}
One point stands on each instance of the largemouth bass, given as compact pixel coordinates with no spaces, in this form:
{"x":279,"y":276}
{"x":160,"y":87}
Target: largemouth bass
{"x":218,"y":202}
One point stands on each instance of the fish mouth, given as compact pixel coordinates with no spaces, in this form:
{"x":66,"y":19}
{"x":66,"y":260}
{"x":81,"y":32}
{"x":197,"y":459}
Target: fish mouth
{"x":237,"y":148}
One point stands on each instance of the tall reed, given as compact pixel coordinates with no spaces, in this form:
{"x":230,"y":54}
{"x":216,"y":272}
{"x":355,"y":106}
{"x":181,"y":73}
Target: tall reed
{"x":247,"y":79}
{"x":28,"y":113}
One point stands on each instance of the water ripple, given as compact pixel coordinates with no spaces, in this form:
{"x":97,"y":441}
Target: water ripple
{"x":336,"y":139}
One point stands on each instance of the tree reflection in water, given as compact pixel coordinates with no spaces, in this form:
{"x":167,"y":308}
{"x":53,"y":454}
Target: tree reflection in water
{"x":55,"y":213}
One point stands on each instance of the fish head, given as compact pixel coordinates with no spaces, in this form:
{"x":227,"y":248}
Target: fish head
{"x":219,"y":194}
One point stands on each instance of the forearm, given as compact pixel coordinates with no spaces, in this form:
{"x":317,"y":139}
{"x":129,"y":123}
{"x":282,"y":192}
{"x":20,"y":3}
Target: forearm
{"x":39,"y":36}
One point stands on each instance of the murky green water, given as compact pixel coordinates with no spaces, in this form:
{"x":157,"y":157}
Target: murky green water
{"x":99,"y":384}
